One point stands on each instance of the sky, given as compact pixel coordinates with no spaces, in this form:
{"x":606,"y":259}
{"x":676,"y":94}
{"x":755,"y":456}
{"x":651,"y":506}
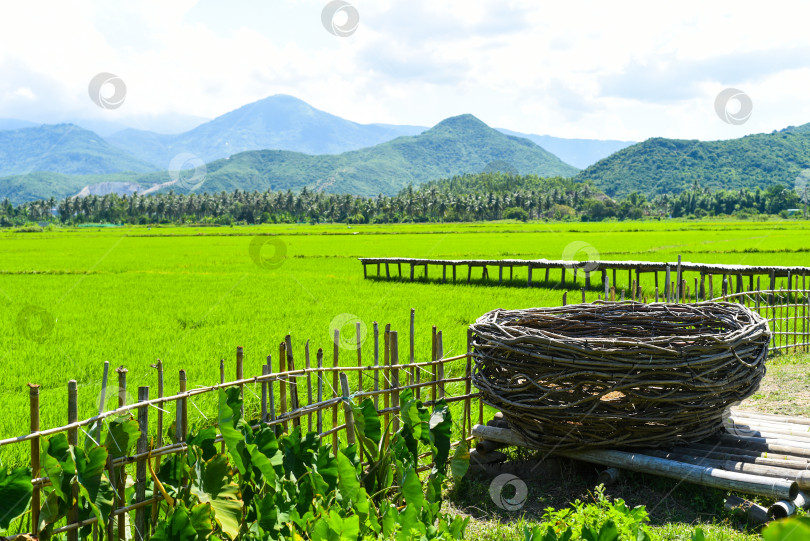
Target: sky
{"x":606,"y":70}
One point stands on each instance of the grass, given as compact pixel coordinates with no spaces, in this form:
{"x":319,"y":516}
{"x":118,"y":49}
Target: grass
{"x":72,"y":299}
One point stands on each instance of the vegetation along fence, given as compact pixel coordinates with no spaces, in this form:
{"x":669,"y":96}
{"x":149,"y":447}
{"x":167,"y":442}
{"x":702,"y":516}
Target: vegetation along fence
{"x":312,"y":397}
{"x":308,"y":395}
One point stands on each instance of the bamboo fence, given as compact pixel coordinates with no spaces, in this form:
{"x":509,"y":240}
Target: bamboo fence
{"x":295,"y":395}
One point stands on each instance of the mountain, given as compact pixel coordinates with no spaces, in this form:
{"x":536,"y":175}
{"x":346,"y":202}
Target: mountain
{"x":63,"y":148}
{"x":578,"y":152}
{"x":455,"y":146}
{"x":279,"y":122}
{"x":658,"y":166}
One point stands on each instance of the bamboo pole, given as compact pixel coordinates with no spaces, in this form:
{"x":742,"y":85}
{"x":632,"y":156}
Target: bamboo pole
{"x":347,"y":409}
{"x":294,"y":385}
{"x":282,"y":385}
{"x":395,"y":378}
{"x":433,"y":358}
{"x":271,"y":405}
{"x":264,"y":395}
{"x":319,"y":414}
{"x":412,"y":375}
{"x":440,"y":366}
{"x":33,"y":400}
{"x":335,"y":364}
{"x":141,"y":526}
{"x":377,"y":360}
{"x":386,"y":362}
{"x":359,"y":357}
{"x":121,"y":482}
{"x":712,"y":477}
{"x":309,"y":384}
{"x":466,"y":422}
{"x":73,"y":439}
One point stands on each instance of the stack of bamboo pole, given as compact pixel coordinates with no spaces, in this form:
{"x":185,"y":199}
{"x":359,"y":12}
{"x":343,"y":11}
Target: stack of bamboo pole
{"x":758,"y":453}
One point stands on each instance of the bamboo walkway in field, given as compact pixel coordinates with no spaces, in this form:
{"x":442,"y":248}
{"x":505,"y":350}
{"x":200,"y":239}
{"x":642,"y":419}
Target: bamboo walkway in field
{"x":678,"y":269}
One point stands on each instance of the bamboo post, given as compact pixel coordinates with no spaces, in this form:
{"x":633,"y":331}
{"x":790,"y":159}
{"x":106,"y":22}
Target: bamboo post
{"x":294,"y":385}
{"x":500,"y":274}
{"x":347,"y":409}
{"x":434,"y":370}
{"x":335,"y":364}
{"x":414,"y":371}
{"x":184,"y":407}
{"x":264,"y":394}
{"x":102,"y":401}
{"x":365,"y":273}
{"x":395,"y":378}
{"x":319,"y":415}
{"x":141,"y":531}
{"x":359,"y":357}
{"x":583,"y":294}
{"x":73,"y":439}
{"x":465,"y":423}
{"x":656,"y":293}
{"x":469,"y":272}
{"x":546,"y":278}
{"x":565,"y":298}
{"x":412,"y":271}
{"x":529,"y":279}
{"x":454,"y":273}
{"x":159,"y":437}
{"x":667,"y":291}
{"x":309,"y":385}
{"x":122,"y":474}
{"x":271,"y":406}
{"x":33,"y":400}
{"x":444,"y":274}
{"x":386,"y":362}
{"x":587,"y":280}
{"x":282,"y":384}
{"x":702,"y":285}
{"x":440,"y":365}
{"x":387,"y":271}
{"x":606,"y":283}
{"x":613,"y":293}
{"x":377,"y":359}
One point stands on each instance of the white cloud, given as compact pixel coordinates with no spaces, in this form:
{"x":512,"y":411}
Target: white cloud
{"x":624,"y":70}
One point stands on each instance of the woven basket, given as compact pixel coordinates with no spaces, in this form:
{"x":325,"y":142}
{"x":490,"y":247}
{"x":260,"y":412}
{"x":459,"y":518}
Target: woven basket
{"x":618,"y":374}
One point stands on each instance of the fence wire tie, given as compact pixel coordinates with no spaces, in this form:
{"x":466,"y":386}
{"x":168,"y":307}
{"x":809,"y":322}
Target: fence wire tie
{"x":159,"y":408}
{"x":89,"y":436}
{"x":198,"y":409}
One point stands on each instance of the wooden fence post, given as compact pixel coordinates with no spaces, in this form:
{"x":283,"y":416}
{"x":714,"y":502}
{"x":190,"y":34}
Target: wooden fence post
{"x":122,"y":474}
{"x":466,"y":424}
{"x":282,"y":384}
{"x":335,"y":364}
{"x":309,"y":385}
{"x":294,"y":385}
{"x":240,"y":375}
{"x":440,"y":366}
{"x":33,"y":399}
{"x":667,"y":291}
{"x":433,"y":369}
{"x":141,"y":531}
{"x":386,"y":362}
{"x":359,"y":358}
{"x":395,"y":378}
{"x":411,"y":379}
{"x":319,"y":415}
{"x":678,"y":277}
{"x":377,"y":361}
{"x":73,"y":439}
{"x":265,"y":372}
{"x":347,"y":408}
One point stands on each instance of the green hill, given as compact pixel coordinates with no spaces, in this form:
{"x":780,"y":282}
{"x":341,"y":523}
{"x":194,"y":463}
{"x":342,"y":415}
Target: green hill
{"x":455,"y":146}
{"x":63,"y":148}
{"x":658,"y":166}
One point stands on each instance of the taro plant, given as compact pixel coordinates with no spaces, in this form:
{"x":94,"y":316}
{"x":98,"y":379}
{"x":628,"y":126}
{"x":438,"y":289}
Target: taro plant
{"x":265,"y":484}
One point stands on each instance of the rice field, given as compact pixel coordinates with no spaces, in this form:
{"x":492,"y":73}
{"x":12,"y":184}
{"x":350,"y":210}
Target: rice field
{"x":74,"y":298}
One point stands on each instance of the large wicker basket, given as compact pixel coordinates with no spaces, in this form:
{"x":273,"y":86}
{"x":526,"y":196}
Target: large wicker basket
{"x":618,"y":374}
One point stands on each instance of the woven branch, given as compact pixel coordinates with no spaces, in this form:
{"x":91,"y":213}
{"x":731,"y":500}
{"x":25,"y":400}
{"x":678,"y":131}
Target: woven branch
{"x":618,"y":374}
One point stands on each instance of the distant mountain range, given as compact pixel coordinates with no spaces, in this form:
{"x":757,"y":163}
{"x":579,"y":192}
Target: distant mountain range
{"x":455,"y":146}
{"x":578,"y":152}
{"x":658,"y":166}
{"x":63,"y":148}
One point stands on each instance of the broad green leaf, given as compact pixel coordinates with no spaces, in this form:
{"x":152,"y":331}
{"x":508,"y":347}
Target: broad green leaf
{"x":215,"y":487}
{"x":441,"y":425}
{"x":369,"y":425}
{"x":122,"y":435}
{"x":348,"y":483}
{"x":347,"y":528}
{"x":94,"y":486}
{"x":608,"y":531}
{"x":183,"y":524}
{"x":204,"y":439}
{"x":412,"y":490}
{"x":460,"y":462}
{"x":15,"y":494}
{"x":230,"y":415}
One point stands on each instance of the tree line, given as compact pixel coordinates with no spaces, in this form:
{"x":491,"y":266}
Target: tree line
{"x":484,"y":196}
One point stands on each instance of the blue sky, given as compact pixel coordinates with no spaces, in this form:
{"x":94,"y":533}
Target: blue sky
{"x":619,"y":70}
